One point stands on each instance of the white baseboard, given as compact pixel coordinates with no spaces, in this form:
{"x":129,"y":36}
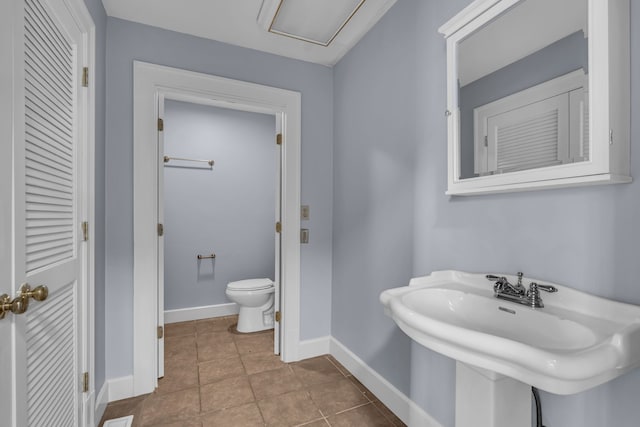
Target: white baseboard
{"x":120,"y":388}
{"x":313,"y":347}
{"x":101,"y":403}
{"x":197,"y":313}
{"x":408,"y":411}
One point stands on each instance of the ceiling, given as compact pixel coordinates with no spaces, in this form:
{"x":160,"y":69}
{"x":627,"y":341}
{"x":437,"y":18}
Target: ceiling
{"x":236,"y":22}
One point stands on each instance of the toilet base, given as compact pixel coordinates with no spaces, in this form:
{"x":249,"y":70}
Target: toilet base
{"x":255,"y":319}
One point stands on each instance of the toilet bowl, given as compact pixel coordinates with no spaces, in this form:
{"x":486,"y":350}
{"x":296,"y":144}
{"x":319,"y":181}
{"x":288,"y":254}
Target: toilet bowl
{"x":255,"y":298}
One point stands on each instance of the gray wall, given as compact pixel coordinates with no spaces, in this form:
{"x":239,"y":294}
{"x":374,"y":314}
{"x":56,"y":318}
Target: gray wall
{"x":127,"y":41}
{"x":557,"y":59}
{"x":228,"y":209}
{"x":392,"y":219}
{"x":100,"y":20}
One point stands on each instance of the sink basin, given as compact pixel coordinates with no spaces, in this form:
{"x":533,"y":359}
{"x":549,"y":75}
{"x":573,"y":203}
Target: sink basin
{"x":577,"y":341}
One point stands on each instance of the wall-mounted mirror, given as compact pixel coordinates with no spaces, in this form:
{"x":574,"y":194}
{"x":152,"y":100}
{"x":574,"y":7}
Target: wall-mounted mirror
{"x":532,"y":89}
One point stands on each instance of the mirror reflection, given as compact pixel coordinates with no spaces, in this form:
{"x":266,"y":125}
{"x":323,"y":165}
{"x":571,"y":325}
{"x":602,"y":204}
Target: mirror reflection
{"x":523,"y":89}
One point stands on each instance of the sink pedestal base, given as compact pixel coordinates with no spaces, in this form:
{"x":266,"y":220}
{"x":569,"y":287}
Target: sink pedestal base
{"x":487,"y":399}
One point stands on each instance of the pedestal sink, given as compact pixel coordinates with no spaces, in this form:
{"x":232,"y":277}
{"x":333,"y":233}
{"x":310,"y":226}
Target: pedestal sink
{"x":576,"y":342}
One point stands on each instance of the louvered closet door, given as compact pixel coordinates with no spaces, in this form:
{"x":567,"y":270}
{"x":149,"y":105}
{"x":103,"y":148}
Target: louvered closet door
{"x":47,"y":218}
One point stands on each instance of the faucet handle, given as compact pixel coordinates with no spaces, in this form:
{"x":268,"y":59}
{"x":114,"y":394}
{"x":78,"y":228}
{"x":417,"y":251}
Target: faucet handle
{"x":548,"y":288}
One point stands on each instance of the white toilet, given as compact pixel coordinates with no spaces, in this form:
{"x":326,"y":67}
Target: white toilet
{"x":255,"y":298}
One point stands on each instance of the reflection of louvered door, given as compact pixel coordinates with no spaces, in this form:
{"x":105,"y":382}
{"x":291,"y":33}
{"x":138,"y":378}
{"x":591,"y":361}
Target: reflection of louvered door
{"x":544,"y":125}
{"x":532,"y":136}
{"x":48,"y":338}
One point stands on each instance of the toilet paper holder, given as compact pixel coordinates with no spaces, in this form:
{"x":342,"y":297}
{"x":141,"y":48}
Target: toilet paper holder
{"x":212,"y":256}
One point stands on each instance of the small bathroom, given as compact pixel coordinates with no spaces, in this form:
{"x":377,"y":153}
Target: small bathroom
{"x":220,"y":176}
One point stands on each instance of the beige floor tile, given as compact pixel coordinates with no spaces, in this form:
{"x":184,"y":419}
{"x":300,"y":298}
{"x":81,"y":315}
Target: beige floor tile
{"x":241,"y":416}
{"x":260,"y":362}
{"x":289,"y":409}
{"x":254,"y":343}
{"x":191,"y":422}
{"x":123,"y":408}
{"x":366,"y":415}
{"x":179,"y":329}
{"x":226,"y":393}
{"x":367,"y":393}
{"x":234,"y":370}
{"x":181,"y":349}
{"x":216,"y":350}
{"x":272,"y":383}
{"x":218,"y":324}
{"x":214,"y":337}
{"x":170,"y":407}
{"x":216,"y":370}
{"x":389,"y":415}
{"x":316,"y":371}
{"x":178,"y":377}
{"x":338,"y":365}
{"x":316,"y":423}
{"x":336,"y":396}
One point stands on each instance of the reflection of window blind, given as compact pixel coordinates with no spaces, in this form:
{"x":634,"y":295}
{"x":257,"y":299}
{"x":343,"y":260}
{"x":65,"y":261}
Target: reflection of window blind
{"x":532,"y":142}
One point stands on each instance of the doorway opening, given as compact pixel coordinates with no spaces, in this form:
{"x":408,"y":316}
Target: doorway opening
{"x":218,"y":201}
{"x":152,"y":85}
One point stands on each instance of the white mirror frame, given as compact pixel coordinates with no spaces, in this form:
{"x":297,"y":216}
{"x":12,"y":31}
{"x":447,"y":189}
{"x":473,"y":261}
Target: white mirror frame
{"x":609,"y":101}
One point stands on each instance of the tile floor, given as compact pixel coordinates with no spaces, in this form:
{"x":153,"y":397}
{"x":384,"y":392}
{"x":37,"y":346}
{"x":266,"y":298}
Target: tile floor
{"x":217,"y":377}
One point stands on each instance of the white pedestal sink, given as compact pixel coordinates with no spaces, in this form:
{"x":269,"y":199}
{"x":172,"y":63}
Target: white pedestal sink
{"x":576,"y":342}
{"x":487,"y":399}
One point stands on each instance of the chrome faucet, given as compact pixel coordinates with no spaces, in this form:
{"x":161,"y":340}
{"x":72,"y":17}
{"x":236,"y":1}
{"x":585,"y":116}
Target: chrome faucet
{"x":518,"y":293}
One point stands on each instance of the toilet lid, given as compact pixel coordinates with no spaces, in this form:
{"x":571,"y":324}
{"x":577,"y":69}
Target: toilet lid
{"x":250,"y":284}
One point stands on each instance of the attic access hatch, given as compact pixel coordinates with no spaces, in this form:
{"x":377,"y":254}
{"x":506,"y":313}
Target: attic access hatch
{"x":312,"y":21}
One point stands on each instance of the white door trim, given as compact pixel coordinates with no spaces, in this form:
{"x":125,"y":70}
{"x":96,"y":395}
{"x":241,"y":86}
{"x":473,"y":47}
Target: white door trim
{"x":88,"y":181}
{"x":150,"y":82}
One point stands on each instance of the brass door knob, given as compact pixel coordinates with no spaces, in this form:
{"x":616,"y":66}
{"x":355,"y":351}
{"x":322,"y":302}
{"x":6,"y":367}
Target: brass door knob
{"x":20,"y":303}
{"x":39,"y":293}
{"x":5,"y":305}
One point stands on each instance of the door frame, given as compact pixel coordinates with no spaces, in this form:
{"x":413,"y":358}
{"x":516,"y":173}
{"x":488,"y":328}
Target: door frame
{"x":150,"y":82}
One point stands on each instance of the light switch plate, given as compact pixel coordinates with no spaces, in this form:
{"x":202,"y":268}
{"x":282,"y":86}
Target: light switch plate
{"x":304,"y":235}
{"x":304,"y":212}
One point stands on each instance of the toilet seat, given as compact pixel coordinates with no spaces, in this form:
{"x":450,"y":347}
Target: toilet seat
{"x":250,"y":285}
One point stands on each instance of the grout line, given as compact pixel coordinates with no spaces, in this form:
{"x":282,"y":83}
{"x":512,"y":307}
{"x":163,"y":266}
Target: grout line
{"x":364,"y":393}
{"x":356,"y":407}
{"x":306,"y":423}
{"x":384,"y":415}
{"x":337,"y":367}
